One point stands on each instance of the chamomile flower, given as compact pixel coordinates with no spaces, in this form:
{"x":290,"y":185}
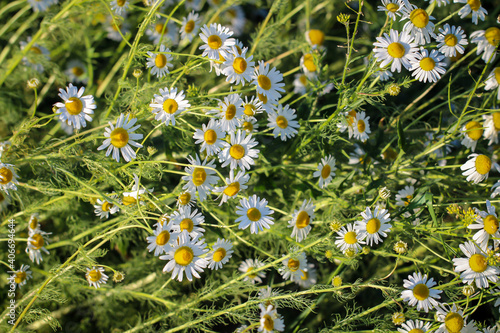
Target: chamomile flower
{"x":475,"y":267}
{"x":270,"y":320}
{"x":308,"y":277}
{"x":374,"y":225}
{"x":33,"y":223}
{"x":190,"y":26}
{"x":237,"y":66}
{"x":239,"y":152}
{"x":491,"y":126}
{"x":493,"y":80}
{"x":119,"y":6}
{"x":395,"y":49}
{"x":419,"y":292}
{"x":472,"y":132}
{"x":315,"y":38}
{"x":419,"y":25}
{"x":184,"y":257}
{"x":169,"y":104}
{"x":76,"y":71}
{"x":326,"y":170}
{"x":427,"y":67}
{"x":217,"y":41}
{"x":487,"y":223}
{"x":220,"y":254}
{"x":22,"y":275}
{"x":36,"y":244}
{"x":136,"y":194}
{"x":160,"y":62}
{"x":186,"y":220}
{"x":405,"y":196}
{"x":474,"y":7}
{"x":186,"y":198}
{"x":347,"y":123}
{"x":301,"y":220}
{"x":416,"y":326}
{"x":486,"y":41}
{"x":249,"y":124}
{"x":76,"y":109}
{"x":200,"y":176}
{"x":453,"y":320}
{"x":8,"y":177}
{"x":391,"y":7}
{"x":116,"y":28}
{"x":269,"y":82}
{"x":250,"y":265}
{"x":361,"y":126}
{"x":300,"y":84}
{"x":235,"y":184}
{"x":252,"y":107}
{"x":163,"y":236}
{"x":229,"y":111}
{"x":283,"y":121}
{"x":383,"y":74}
{"x":308,"y":62}
{"x":4,"y":200}
{"x":269,"y":105}
{"x":120,"y":137}
{"x":104,"y":207}
{"x":478,"y":167}
{"x":210,"y":137}
{"x":35,"y":54}
{"x":348,"y":239}
{"x":254,"y":212}
{"x":160,"y":32}
{"x":96,"y":276}
{"x":451,"y":40}
{"x":294,"y":266}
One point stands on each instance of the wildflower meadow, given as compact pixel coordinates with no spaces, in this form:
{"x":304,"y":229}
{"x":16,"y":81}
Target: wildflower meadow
{"x":249,"y":166}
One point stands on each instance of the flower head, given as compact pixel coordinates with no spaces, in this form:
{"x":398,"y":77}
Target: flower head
{"x":160,"y":62}
{"x":374,"y":225}
{"x":240,"y":152}
{"x":475,"y":267}
{"x":200,"y":177}
{"x":478,"y":167}
{"x":76,"y":109}
{"x":419,"y":292}
{"x":254,"y":212}
{"x":248,"y":266}
{"x":96,"y":276}
{"x":283,"y":121}
{"x":217,"y":41}
{"x":395,"y":49}
{"x":326,"y":170}
{"x":169,"y":104}
{"x":220,"y":254}
{"x":301,"y":220}
{"x":268,"y":81}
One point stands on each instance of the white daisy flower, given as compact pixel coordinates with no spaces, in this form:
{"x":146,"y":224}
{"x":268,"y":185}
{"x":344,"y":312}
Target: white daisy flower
{"x":283,"y":121}
{"x":76,"y":71}
{"x":300,"y":84}
{"x":249,"y":124}
{"x":453,"y":320}
{"x":347,"y":123}
{"x":136,"y":194}
{"x":294,"y":266}
{"x":472,"y":132}
{"x":348,"y":239}
{"x":33,"y":222}
{"x":308,"y":277}
{"x":254,"y":212}
{"x":326,"y":170}
{"x":493,"y":80}
{"x":478,"y":167}
{"x":220,"y":254}
{"x":76,"y":109}
{"x":269,"y":82}
{"x":114,"y":27}
{"x":473,"y":7}
{"x":395,"y":49}
{"x":229,"y":111}
{"x":491,"y":126}
{"x":104,"y":207}
{"x":41,"y":5}
{"x":210,"y":137}
{"x":234,"y":185}
{"x":475,"y":267}
{"x":451,"y":40}
{"x":200,"y":176}
{"x":160,"y":32}
{"x":315,"y":38}
{"x":163,"y":237}
{"x":119,"y":7}
{"x":238,"y":67}
{"x":301,"y":220}
{"x":427,"y":67}
{"x":383,"y":74}
{"x":373,"y":225}
{"x":160,"y":62}
{"x":405,"y":196}
{"x":419,"y":292}
{"x":239,"y":152}
{"x":248,"y":266}
{"x":162,"y":220}
{"x":21,"y":276}
{"x":36,"y":244}
{"x":96,"y":276}
{"x":252,"y":107}
{"x":270,"y":320}
{"x":419,"y":25}
{"x":185,"y":219}
{"x":35,"y":53}
{"x":8,"y":177}
{"x":308,"y":62}
{"x":216,"y":41}
{"x":120,"y":137}
{"x":416,"y":326}
{"x":391,"y":7}
{"x":486,"y":41}
{"x":169,"y":104}
{"x":361,"y":126}
{"x":269,"y":105}
{"x":184,"y":257}
{"x":487,"y":222}
{"x":190,"y":26}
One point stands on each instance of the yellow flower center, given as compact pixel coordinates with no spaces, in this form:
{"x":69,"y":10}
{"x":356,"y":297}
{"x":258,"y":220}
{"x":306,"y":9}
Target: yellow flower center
{"x":159,"y":28}
{"x":474,"y":4}
{"x":450,"y":40}
{"x":427,"y":64}
{"x":183,"y":255}
{"x":199,"y":176}
{"x":262,"y":98}
{"x":106,"y":206}
{"x":249,"y":109}
{"x":77,"y":71}
{"x":163,"y":238}
{"x":303,"y":80}
{"x":361,"y":126}
{"x":127,"y":201}
{"x":237,"y":151}
{"x":373,"y":225}
{"x":497,"y":75}
{"x":160,"y":60}
{"x":408,"y":199}
{"x":248,"y":126}
{"x":37,"y":241}
{"x":35,"y":50}
{"x":453,"y":322}
{"x":184,"y":198}
{"x":230,"y":111}
{"x":474,"y":130}
{"x":293,"y":264}
{"x":94,"y":275}
{"x":163,"y":219}
{"x":74,"y":106}
{"x":351,"y":117}
{"x":232,"y":189}
{"x":282,"y":122}
{"x":303,"y":220}
{"x":219,"y":254}
{"x":239,"y":65}
{"x":325,"y":172}
{"x":309,"y":62}
{"x":214,"y":42}
{"x":483,"y":164}
{"x":119,"y":137}
{"x":5,"y":176}
{"x":251,"y":276}
{"x":490,"y":224}
{"x":350,"y":237}
{"x":33,"y":221}
{"x":478,"y":263}
{"x":121,"y":2}
{"x":170,"y":106}
{"x":187,"y":224}
{"x":492,"y":34}
{"x":264,"y":82}
{"x":496,"y":115}
{"x":253,"y":214}
{"x":392,"y":7}
{"x":416,"y":330}
{"x":317,"y":37}
{"x":419,"y":18}
{"x":268,"y":322}
{"x":210,"y":136}
{"x":20,"y":277}
{"x":421,"y":292}
{"x":189,"y":26}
